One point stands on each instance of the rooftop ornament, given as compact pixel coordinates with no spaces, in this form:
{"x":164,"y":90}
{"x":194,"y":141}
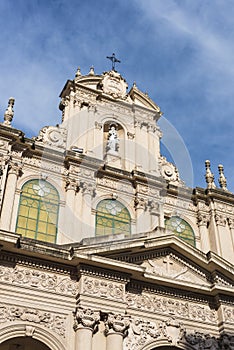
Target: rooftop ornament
{"x":222,"y":178}
{"x":9,"y":113}
{"x":209,"y":176}
{"x":114,"y":60}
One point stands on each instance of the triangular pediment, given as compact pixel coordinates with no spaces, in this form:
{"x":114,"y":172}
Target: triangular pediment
{"x":171,"y":266}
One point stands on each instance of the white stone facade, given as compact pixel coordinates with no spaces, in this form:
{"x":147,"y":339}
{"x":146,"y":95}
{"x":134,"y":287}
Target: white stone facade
{"x":143,"y":287}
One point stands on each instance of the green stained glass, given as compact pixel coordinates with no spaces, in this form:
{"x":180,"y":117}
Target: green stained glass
{"x":181,"y":228}
{"x":38,"y":211}
{"x":112,"y":218}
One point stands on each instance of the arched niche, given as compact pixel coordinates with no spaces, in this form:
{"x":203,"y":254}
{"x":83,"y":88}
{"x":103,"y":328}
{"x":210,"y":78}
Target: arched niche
{"x":119,"y":140}
{"x":23,"y":343}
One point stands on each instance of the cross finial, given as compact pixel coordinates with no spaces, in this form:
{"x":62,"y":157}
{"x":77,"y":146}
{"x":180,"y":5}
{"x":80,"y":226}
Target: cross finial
{"x":113,"y":60}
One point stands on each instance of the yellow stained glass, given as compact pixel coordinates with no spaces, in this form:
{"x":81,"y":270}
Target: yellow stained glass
{"x":38,"y":211}
{"x":112,"y":217}
{"x":181,"y":228}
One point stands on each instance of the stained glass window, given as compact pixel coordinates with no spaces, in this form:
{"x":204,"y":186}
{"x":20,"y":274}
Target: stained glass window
{"x":38,"y":211}
{"x":112,"y":218}
{"x":181,"y":228}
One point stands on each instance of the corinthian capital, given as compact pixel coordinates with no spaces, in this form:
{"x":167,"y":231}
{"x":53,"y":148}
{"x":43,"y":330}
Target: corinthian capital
{"x":86,"y":318}
{"x":15,"y":168}
{"x":202,"y":219}
{"x":117,"y":323}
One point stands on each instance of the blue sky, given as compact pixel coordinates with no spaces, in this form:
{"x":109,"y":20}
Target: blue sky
{"x":180,"y":52}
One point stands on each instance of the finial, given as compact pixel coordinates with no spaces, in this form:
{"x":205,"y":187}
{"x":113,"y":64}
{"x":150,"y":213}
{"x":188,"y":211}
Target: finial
{"x":209,"y":176}
{"x":134,"y":84}
{"x":113,"y":60}
{"x":9,"y":113}
{"x":78,"y":73}
{"x":222,"y":178}
{"x":91,"y":71}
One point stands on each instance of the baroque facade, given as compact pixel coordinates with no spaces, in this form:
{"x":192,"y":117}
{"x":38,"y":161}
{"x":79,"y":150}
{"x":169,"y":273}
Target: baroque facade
{"x":103,"y":246}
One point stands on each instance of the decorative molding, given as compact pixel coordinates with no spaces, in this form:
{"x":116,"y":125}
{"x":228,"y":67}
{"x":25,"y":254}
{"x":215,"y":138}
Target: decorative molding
{"x":203,"y":219}
{"x":169,"y":306}
{"x":130,"y":135}
{"x":49,"y":320}
{"x":220,"y":219}
{"x":140,"y":203}
{"x":142,"y":332}
{"x":15,"y":168}
{"x":86,"y":318}
{"x":153,"y":206}
{"x":117,"y":323}
{"x":88,"y":188}
{"x":230,"y":223}
{"x":72,"y":184}
{"x":114,"y":85}
{"x":228,"y":314}
{"x":37,"y":279}
{"x":103,"y":288}
{"x":54,"y":136}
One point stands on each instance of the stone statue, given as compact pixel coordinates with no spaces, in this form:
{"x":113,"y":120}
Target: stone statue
{"x":113,"y":141}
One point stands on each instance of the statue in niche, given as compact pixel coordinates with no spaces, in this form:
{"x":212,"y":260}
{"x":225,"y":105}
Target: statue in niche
{"x":113,"y":140}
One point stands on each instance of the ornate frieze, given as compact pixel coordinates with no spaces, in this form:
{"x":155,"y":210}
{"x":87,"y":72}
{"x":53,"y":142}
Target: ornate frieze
{"x":117,"y":323}
{"x":103,"y":288}
{"x":86,"y":318}
{"x":179,"y":203}
{"x":168,"y":306}
{"x":38,"y":280}
{"x":142,"y":332}
{"x":49,"y":320}
{"x":228,"y":314}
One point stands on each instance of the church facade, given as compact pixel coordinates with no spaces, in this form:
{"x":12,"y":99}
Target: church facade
{"x":103,"y":246}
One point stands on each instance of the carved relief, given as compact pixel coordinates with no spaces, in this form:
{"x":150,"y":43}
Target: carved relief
{"x":47,"y":319}
{"x":86,"y":318}
{"x":220,"y":219}
{"x":72,"y":184}
{"x":103,"y":288}
{"x":88,"y":188}
{"x":36,"y":279}
{"x":142,"y":332}
{"x":228,"y":314}
{"x":168,"y":266}
{"x":162,"y":305}
{"x":140,"y":203}
{"x":203,"y":219}
{"x":116,"y":323}
{"x":52,"y":136}
{"x":113,"y":84}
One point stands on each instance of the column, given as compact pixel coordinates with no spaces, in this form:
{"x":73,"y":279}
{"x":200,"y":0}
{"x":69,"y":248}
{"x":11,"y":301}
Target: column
{"x":15,"y":170}
{"x":88,"y":220}
{"x":203,"y":219}
{"x":85,"y":323}
{"x":116,"y":329}
{"x":72,"y":186}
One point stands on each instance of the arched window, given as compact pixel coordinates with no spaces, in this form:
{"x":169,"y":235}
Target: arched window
{"x":112,"y":218}
{"x":181,"y":229}
{"x":38,"y":211}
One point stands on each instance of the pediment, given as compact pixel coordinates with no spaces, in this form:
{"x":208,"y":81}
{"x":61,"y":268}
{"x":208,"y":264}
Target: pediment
{"x":172,"y":266}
